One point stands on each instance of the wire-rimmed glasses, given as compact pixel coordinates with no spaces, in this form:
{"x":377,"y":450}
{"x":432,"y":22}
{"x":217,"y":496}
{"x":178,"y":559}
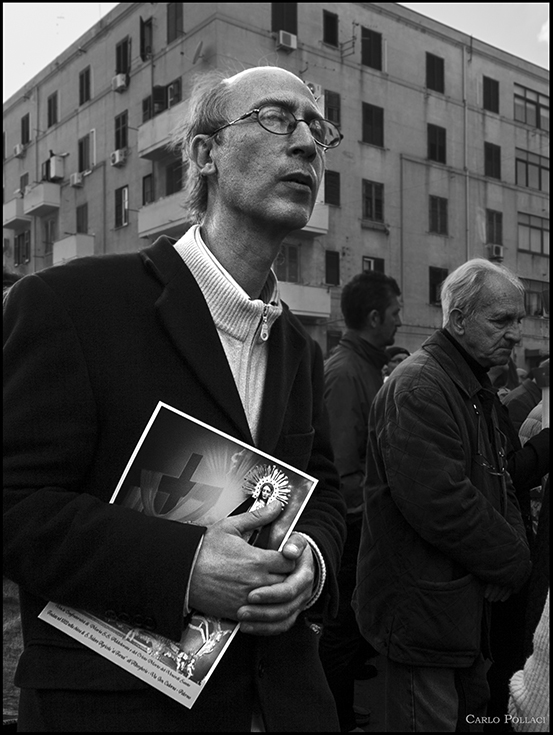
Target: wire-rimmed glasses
{"x":279,"y":120}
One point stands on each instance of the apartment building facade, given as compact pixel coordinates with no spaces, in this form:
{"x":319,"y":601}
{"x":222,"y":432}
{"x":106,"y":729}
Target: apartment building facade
{"x":445,"y":154}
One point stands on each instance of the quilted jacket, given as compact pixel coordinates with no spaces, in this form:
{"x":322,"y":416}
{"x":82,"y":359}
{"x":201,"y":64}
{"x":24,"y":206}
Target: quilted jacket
{"x":438,"y":526}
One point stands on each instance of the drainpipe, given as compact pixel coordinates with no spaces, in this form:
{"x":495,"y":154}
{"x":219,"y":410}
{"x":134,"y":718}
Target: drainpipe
{"x":465,"y":158}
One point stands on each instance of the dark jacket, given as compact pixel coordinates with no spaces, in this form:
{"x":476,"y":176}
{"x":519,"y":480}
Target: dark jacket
{"x":90,"y":349}
{"x":521,"y":400}
{"x":438,"y":525}
{"x":353,"y":376}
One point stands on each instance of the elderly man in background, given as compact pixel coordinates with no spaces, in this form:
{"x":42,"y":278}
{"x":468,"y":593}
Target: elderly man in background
{"x":442,"y":533}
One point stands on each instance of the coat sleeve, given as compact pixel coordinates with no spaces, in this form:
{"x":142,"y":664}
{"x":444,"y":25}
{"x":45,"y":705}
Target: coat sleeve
{"x":60,"y":543}
{"x":432,"y":482}
{"x":324,"y":517}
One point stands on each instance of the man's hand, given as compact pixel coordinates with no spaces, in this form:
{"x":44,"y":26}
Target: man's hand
{"x":228,"y":568}
{"x":495,"y":593}
{"x":273,"y":609}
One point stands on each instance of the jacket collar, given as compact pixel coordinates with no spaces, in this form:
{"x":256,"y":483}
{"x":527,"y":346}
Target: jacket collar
{"x":184,"y":314}
{"x":376,"y":356}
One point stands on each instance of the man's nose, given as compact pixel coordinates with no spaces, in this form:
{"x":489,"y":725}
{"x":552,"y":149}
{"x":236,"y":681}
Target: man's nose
{"x":303,"y":141}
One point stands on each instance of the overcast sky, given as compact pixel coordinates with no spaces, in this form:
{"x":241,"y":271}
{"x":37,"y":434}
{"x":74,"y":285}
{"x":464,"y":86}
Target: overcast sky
{"x":35,"y":34}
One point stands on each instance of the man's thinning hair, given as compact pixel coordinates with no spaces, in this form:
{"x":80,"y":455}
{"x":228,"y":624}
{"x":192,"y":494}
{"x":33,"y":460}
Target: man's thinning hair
{"x":462,"y":289}
{"x":366,"y":292}
{"x":205,"y":112}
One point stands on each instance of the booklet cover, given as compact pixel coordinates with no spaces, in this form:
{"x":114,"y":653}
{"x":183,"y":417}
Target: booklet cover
{"x":185,"y":470}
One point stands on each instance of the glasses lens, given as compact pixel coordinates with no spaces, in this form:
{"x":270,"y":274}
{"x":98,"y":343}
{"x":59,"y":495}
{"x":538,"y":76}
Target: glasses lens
{"x":325,"y":132}
{"x":276,"y":119}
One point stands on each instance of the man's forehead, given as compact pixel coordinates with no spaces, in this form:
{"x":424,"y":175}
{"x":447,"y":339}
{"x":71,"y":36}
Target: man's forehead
{"x":252,"y":85}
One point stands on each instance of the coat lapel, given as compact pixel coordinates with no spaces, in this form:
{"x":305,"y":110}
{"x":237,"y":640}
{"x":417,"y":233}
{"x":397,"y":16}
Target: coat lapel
{"x":184,"y":314}
{"x":286,"y":349}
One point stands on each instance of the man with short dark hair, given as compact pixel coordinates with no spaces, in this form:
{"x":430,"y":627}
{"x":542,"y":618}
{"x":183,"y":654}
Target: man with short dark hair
{"x":91,"y":347}
{"x":353,"y":375}
{"x":442,"y":532}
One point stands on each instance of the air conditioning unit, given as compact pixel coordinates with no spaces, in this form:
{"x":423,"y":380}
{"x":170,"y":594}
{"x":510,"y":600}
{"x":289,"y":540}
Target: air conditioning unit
{"x":76,"y":180}
{"x":287,"y":41}
{"x":119,"y":83}
{"x":118,"y":158}
{"x":19,"y":150}
{"x":315,"y":89}
{"x":56,"y":168}
{"x":496,"y":252}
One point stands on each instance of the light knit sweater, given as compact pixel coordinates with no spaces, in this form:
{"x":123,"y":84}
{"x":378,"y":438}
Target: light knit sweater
{"x":529,"y":700}
{"x":243,"y":324}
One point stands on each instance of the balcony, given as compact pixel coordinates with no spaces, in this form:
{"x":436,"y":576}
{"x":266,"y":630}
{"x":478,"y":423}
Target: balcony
{"x":44,"y":198}
{"x":303,"y":300}
{"x":14,"y":216}
{"x":163,"y":217}
{"x":74,"y":246}
{"x":155,"y":135}
{"x":318,"y":224}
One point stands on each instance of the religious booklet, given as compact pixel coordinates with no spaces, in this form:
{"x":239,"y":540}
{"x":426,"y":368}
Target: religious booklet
{"x":187,"y":471}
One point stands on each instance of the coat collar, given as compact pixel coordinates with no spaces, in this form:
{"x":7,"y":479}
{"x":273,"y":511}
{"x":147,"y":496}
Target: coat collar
{"x":183,"y":313}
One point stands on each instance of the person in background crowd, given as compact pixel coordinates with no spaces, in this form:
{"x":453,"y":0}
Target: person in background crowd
{"x":529,"y":687}
{"x":395,"y":356}
{"x":442,"y":533}
{"x":522,"y":399}
{"x":92,"y":346}
{"x":353,"y":375}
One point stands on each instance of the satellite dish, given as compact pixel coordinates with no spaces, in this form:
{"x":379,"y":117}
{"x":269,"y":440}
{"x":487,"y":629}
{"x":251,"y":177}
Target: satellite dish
{"x":197,"y":52}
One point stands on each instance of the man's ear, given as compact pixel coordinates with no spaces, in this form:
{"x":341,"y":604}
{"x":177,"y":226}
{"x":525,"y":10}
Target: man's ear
{"x":200,"y":152}
{"x":457,"y":322}
{"x":373,"y":318}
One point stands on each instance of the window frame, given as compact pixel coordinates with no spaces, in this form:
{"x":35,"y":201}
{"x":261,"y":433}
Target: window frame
{"x":436,"y":144}
{"x":121,"y":129}
{"x":494,"y":227}
{"x":490,"y":94}
{"x":85,"y":86}
{"x":332,"y":189}
{"x":438,"y":215}
{"x":373,"y":194}
{"x":122,"y":206}
{"x":331,"y":28}
{"x":52,"y":109}
{"x":435,"y":73}
{"x":372,"y":127}
{"x":492,"y":160}
{"x":371,"y":48}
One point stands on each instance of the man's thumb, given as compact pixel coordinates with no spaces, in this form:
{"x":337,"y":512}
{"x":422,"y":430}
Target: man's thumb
{"x":257,"y":518}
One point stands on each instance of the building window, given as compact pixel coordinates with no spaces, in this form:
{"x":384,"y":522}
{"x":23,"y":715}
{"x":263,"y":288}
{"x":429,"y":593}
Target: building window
{"x":436,"y":276}
{"x":122,"y":206}
{"x":373,"y":125}
{"x":284,"y":17}
{"x":494,"y":227}
{"x":148,"y":189}
{"x":84,"y":86}
{"x":52,"y":105}
{"x":371,"y":48}
{"x":332,"y":187}
{"x":436,"y":143}
{"x":532,"y":170}
{"x":373,"y":201}
{"x":49,"y":235}
{"x":287,"y":264}
{"x":121,"y":128}
{"x":22,"y":248}
{"x":45,"y":170}
{"x":438,"y":215}
{"x":372,"y":264}
{"x":491,"y":95}
{"x":330,"y":28}
{"x":147,"y":108}
{"x":174,"y":93}
{"x":146,"y":39}
{"x":533,"y":234}
{"x":531,"y":107}
{"x":123,"y":56}
{"x":332,"y":268}
{"x":175,"y":23}
{"x":332,"y":107}
{"x":82,"y":219}
{"x":23,"y":182}
{"x":536,"y":297}
{"x":84,"y":154}
{"x":435,"y":75}
{"x":26,"y":129}
{"x":492,"y":160}
{"x":173,"y":178}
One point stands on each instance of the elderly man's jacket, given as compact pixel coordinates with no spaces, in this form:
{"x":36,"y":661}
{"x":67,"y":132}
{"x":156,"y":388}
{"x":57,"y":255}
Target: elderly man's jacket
{"x":438,"y":524}
{"x":90,"y":349}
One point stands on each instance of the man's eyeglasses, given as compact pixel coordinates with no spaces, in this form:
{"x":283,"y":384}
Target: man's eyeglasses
{"x":280,"y":121}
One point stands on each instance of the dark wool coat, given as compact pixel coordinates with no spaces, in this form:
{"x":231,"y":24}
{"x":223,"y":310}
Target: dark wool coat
{"x":438,"y":526}
{"x":90,"y":349}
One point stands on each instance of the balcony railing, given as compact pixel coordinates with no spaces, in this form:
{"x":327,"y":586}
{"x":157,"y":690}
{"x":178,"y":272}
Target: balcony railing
{"x":155,"y":135}
{"x":74,"y":246}
{"x":14,"y":217}
{"x":44,"y":198}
